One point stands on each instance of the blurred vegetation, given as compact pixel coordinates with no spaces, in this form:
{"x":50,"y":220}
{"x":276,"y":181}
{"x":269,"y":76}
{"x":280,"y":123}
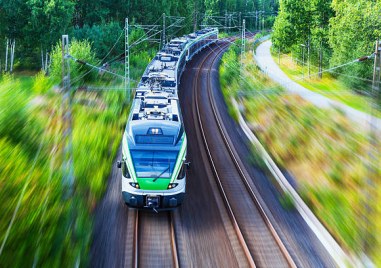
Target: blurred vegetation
{"x":329,"y":85}
{"x":324,"y":151}
{"x":50,"y":229}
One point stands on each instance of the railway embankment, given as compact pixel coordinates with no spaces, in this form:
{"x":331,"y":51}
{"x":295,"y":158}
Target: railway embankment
{"x":324,"y":151}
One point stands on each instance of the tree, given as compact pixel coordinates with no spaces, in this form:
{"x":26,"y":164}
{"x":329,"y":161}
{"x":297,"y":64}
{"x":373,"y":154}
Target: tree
{"x":352,"y":34}
{"x":89,"y":12}
{"x":284,"y":36}
{"x":49,"y":20}
{"x":78,"y":73}
{"x":304,"y":22}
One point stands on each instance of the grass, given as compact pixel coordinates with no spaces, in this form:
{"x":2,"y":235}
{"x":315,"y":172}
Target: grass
{"x":325,"y":153}
{"x":42,"y":232}
{"x":328,"y":85}
{"x":45,"y":232}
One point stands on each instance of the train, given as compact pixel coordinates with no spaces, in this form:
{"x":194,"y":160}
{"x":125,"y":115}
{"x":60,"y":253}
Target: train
{"x":154,"y":145}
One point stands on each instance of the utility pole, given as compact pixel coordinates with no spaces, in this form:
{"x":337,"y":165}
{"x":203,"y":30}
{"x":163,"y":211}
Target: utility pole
{"x":303,"y":46}
{"x":321,"y":60}
{"x":263,"y":18}
{"x":256,"y":20}
{"x":372,"y":180}
{"x":243,"y":43}
{"x":195,"y":20}
{"x":164,"y":37}
{"x":126,"y":61}
{"x":67,"y":164}
{"x":308,"y":55}
{"x":226,"y":21}
{"x":67,"y":141}
{"x":230,"y":22}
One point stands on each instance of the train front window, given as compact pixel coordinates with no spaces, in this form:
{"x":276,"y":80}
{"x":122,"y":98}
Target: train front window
{"x":153,"y":164}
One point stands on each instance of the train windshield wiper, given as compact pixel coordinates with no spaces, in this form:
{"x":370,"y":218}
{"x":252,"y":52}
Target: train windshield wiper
{"x":161,"y":174}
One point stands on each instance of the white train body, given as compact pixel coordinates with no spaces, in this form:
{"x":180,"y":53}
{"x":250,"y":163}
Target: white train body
{"x":154,"y":142}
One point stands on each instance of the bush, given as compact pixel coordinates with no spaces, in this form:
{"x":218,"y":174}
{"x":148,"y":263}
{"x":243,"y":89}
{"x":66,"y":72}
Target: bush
{"x":102,"y":38}
{"x":78,"y":73}
{"x":41,"y":83}
{"x":13,"y":114}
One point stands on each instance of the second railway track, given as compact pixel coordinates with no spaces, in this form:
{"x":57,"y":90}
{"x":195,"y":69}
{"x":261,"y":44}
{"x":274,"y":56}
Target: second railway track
{"x":259,"y":240}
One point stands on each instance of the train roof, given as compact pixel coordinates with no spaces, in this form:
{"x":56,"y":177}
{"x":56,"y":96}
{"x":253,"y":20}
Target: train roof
{"x":155,"y":114}
{"x":155,"y":117}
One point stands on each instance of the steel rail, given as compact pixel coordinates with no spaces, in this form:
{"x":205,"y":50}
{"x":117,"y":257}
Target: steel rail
{"x":240,"y":169}
{"x":136,"y":241}
{"x":224,"y":196}
{"x":173,"y":241}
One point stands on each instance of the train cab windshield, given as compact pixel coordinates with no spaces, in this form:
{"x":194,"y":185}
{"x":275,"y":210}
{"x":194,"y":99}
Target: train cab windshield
{"x":154,"y":163}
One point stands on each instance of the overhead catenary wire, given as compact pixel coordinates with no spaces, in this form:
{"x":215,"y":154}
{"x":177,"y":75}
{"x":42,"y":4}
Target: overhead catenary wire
{"x":137,"y":42}
{"x":101,"y":69}
{"x":116,"y":42}
{"x":361,"y":59}
{"x":340,"y":73}
{"x":261,"y":93}
{"x":108,"y":53}
{"x":144,"y":27}
{"x":96,"y":67}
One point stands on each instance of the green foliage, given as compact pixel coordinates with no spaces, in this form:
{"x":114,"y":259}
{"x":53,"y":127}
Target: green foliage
{"x":340,"y":31}
{"x":35,"y":25}
{"x":48,"y":20}
{"x":43,"y":234}
{"x":41,"y":83}
{"x":352,"y":34}
{"x":80,"y":50}
{"x":102,"y":37}
{"x":320,"y":147}
{"x":38,"y":24}
{"x":283,"y":35}
{"x":302,"y":22}
{"x":15,"y":124}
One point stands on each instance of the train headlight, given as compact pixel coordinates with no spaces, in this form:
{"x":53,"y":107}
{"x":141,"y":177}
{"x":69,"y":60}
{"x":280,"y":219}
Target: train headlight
{"x":135,"y":185}
{"x":172,"y":185}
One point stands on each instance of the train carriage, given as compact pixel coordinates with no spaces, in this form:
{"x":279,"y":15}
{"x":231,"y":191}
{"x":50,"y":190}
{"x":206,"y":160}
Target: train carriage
{"x":154,"y":145}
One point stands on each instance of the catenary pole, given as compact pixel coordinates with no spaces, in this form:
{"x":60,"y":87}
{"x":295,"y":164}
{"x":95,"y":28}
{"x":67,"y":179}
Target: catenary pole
{"x":127,"y":62}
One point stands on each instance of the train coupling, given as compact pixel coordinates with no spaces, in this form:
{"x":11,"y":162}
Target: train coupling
{"x":153,"y":202}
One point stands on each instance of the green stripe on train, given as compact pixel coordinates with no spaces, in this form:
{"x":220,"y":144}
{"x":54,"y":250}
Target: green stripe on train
{"x":149,"y":184}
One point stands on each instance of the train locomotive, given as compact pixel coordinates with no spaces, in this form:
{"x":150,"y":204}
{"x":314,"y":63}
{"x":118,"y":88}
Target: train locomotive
{"x":154,"y":146}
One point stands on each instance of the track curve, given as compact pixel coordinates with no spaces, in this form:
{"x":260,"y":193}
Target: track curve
{"x":260,"y":239}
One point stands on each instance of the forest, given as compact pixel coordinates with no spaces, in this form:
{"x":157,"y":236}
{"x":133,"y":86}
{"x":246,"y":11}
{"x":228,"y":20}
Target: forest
{"x":334,"y":31}
{"x":36,"y":26}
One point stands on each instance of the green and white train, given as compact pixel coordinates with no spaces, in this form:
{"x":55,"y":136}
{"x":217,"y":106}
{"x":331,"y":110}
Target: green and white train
{"x":154,"y":142}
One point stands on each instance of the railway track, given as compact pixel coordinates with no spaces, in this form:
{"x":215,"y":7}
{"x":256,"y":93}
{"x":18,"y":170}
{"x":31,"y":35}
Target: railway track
{"x":259,"y":240}
{"x":153,"y":240}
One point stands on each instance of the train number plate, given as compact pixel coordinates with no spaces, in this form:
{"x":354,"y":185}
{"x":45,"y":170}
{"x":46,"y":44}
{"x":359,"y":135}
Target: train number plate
{"x":153,"y":201}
